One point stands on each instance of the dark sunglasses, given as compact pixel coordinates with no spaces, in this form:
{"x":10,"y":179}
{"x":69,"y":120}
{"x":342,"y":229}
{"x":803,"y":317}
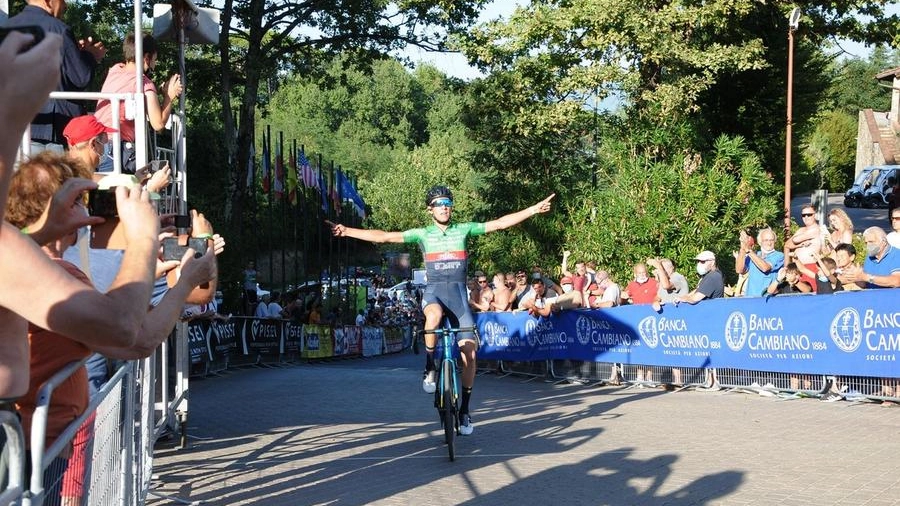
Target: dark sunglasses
{"x":807,"y":215}
{"x":442,"y":203}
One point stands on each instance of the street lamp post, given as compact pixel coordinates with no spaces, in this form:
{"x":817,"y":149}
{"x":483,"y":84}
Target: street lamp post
{"x":793,"y":23}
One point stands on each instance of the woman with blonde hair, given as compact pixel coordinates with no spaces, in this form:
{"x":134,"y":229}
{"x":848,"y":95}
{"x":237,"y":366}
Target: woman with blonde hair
{"x":841,"y":229}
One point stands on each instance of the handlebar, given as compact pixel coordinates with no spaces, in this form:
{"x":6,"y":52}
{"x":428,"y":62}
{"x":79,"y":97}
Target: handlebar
{"x":441,"y":331}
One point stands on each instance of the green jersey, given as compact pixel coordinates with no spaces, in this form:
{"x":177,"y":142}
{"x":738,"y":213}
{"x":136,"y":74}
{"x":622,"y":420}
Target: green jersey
{"x":446,"y":256}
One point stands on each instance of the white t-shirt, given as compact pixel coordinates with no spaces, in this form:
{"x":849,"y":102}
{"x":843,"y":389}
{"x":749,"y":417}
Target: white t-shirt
{"x":612,"y":293}
{"x":275,"y":310}
{"x":894,"y":239}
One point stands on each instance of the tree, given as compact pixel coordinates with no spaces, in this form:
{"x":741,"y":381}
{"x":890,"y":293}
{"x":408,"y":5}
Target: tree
{"x":830,"y":152}
{"x":673,"y":207}
{"x":721,"y":64}
{"x":268,"y":31}
{"x":853,"y":86}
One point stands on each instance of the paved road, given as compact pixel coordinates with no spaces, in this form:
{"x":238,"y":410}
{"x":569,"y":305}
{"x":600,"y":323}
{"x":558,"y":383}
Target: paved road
{"x":862,"y":218}
{"x":361,"y":432}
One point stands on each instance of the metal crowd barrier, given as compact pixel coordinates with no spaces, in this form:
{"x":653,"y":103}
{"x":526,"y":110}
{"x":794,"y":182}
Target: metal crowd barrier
{"x":15,"y":457}
{"x":536,"y":369}
{"x":112,"y":441}
{"x":579,"y":371}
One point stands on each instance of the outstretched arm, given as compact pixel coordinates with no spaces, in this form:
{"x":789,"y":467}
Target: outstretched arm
{"x":363,"y":234}
{"x":565,"y":263}
{"x":515,"y":218}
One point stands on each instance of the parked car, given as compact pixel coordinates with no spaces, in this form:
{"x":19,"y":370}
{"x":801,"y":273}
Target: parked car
{"x":399,"y":291}
{"x":872,"y":187}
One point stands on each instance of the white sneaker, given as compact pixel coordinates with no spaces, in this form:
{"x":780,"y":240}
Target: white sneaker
{"x":428,"y":382}
{"x":466,"y":427}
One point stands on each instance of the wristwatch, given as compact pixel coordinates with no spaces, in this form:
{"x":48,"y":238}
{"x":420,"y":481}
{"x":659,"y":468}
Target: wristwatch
{"x":871,"y":279}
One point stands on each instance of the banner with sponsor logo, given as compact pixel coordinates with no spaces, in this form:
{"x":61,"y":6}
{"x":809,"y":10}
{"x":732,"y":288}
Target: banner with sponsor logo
{"x":393,"y":340}
{"x":223,"y":338}
{"x":851,"y":333}
{"x":198,"y":335}
{"x":317,"y":342}
{"x":293,"y":337}
{"x":261,"y":336}
{"x":340,"y":341}
{"x":372,"y":341}
{"x":353,"y":337}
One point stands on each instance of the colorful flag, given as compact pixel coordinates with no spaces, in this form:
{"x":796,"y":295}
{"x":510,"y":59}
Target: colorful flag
{"x":323,"y":188}
{"x":279,"y":171}
{"x":306,"y":172}
{"x":251,"y":162}
{"x":266,"y":176}
{"x":349,"y":194}
{"x":335,"y":192}
{"x":292,"y":178}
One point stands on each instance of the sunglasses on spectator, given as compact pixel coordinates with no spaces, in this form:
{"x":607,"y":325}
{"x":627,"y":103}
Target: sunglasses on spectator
{"x":895,"y":217}
{"x":442,"y":203}
{"x":482,"y":281}
{"x":807,"y":215}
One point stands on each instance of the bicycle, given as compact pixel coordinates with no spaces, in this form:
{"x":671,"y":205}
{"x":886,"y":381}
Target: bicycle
{"x":446,"y":393}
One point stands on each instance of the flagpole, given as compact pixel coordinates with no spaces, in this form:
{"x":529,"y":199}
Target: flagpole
{"x":282,"y":180}
{"x":306,"y":216}
{"x":295,"y":206}
{"x":319,"y":229}
{"x":269,"y":200}
{"x":329,"y":183}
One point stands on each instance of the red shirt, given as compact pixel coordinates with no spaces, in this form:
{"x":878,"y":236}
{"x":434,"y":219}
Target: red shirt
{"x":643,"y":293}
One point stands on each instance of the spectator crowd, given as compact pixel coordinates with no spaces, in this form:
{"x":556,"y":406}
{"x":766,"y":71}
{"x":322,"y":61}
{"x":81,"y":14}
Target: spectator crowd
{"x":815,"y":259}
{"x":91,"y":269}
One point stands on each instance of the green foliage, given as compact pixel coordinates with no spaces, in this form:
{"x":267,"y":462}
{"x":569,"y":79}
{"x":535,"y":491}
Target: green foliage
{"x":829,"y":148}
{"x":853,"y":85}
{"x":670,"y":208}
{"x":830,"y":152}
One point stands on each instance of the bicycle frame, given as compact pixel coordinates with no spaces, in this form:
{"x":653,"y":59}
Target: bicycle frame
{"x":448,"y":357}
{"x":446,"y":393}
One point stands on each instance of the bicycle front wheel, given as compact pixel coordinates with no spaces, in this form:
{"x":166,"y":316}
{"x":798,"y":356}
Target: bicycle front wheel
{"x":450,"y":421}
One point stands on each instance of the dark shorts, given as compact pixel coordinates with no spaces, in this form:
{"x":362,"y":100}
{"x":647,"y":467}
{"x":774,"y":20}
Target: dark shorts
{"x":455,"y":304}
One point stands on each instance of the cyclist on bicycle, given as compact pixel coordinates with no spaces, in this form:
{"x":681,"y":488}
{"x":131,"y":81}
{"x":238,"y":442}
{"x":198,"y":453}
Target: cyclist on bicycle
{"x":444,"y":247}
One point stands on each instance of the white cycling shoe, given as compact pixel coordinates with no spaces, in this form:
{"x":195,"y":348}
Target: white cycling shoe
{"x":428,"y":382}
{"x":466,"y":427}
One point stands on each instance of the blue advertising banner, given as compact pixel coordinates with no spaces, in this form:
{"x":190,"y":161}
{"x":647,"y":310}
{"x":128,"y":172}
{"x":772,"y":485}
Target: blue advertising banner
{"x":850,"y":333}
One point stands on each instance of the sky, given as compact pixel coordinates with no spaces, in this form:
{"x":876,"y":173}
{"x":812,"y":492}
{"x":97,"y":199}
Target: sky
{"x":453,"y":64}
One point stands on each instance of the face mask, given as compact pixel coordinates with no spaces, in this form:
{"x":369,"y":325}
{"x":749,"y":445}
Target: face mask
{"x":567,"y":288}
{"x":872,"y":250}
{"x":641,"y":279}
{"x":702,"y":269}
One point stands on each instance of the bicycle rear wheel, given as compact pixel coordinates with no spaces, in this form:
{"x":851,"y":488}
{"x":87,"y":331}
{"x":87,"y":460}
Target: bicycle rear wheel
{"x":450,"y":420}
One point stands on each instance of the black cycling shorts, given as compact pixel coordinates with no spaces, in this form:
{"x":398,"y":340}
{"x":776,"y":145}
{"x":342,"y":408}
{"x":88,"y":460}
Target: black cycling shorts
{"x":455,"y":304}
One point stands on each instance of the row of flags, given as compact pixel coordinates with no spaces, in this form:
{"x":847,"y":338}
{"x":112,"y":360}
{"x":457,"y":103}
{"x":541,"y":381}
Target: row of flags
{"x":333,"y":186}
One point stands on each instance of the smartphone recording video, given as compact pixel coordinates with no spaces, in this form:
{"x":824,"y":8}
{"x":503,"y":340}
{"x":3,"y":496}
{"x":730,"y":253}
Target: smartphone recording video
{"x":103,"y":203}
{"x":174,"y":248}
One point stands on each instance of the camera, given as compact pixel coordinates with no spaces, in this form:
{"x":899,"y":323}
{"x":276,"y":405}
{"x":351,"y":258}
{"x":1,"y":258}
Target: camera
{"x":36,"y":31}
{"x":174,"y":248}
{"x":103,"y":203}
